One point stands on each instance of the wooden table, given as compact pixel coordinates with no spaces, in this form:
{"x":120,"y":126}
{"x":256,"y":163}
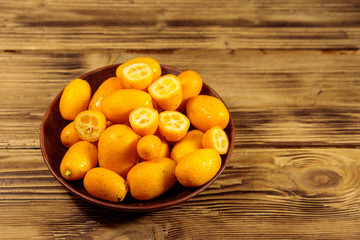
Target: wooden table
{"x":289,"y":72}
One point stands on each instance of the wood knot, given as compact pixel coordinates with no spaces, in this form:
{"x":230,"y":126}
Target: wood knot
{"x":320,"y":178}
{"x":322,"y":173}
{"x":317,"y":181}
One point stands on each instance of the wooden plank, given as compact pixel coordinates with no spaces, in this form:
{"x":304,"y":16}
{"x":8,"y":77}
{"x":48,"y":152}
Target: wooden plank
{"x":277,"y":98}
{"x":25,"y":177}
{"x":88,"y":25}
{"x":262,"y":194}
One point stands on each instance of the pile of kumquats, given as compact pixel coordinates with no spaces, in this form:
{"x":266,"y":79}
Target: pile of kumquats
{"x":132,"y":134}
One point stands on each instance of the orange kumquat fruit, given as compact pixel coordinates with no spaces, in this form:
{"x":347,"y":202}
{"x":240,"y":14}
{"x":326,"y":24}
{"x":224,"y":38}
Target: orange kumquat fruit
{"x":137,"y":76}
{"x":191,"y":84}
{"x":150,"y":179}
{"x":166,"y":91}
{"x":89,"y":125}
{"x":117,"y":149}
{"x":205,"y":112}
{"x":118,"y":106}
{"x":144,"y":120}
{"x":217,"y":139}
{"x":152,"y":63}
{"x":69,"y":136}
{"x":173,"y":125}
{"x":191,"y":142}
{"x":78,"y":160}
{"x":105,"y":184}
{"x":197,"y":168}
{"x":149,"y":147}
{"x":109,"y":86}
{"x":74,"y":99}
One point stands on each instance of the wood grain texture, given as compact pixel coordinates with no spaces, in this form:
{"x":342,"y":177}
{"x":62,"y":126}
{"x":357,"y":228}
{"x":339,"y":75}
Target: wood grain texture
{"x":281,"y":98}
{"x":88,"y":25}
{"x":287,"y":70}
{"x":263,"y":194}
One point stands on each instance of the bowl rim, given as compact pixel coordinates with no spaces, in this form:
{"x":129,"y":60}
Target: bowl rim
{"x":120,"y":206}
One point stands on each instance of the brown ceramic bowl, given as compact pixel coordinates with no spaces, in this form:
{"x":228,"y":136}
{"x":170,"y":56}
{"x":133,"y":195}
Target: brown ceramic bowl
{"x":53,"y":152}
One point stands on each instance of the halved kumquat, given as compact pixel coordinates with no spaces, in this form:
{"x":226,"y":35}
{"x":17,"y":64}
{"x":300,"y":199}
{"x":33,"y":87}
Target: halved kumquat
{"x":152,"y":63}
{"x":89,"y":125}
{"x":137,"y":76}
{"x":144,"y":120}
{"x":173,"y":125}
{"x":166,"y":91}
{"x":217,"y":139}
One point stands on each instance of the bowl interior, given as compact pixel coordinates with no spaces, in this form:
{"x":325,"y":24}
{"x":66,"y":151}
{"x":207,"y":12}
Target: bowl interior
{"x":53,"y":151}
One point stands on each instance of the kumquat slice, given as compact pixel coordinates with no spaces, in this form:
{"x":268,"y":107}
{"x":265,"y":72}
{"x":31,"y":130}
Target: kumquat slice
{"x":167,"y":92}
{"x":144,"y":120}
{"x":90,"y":124}
{"x":173,"y":125}
{"x":217,"y":139}
{"x":137,"y":76}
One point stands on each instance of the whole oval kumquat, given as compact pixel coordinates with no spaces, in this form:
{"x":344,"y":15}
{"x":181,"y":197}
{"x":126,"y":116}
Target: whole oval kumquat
{"x":205,"y":112}
{"x":118,"y":106}
{"x":149,"y":147}
{"x":105,"y":184}
{"x":69,"y":136}
{"x":191,"y":142}
{"x":117,"y":148}
{"x":78,"y":160}
{"x":191,"y":85}
{"x":150,"y":179}
{"x":197,"y":168}
{"x":109,"y":86}
{"x":74,"y":99}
